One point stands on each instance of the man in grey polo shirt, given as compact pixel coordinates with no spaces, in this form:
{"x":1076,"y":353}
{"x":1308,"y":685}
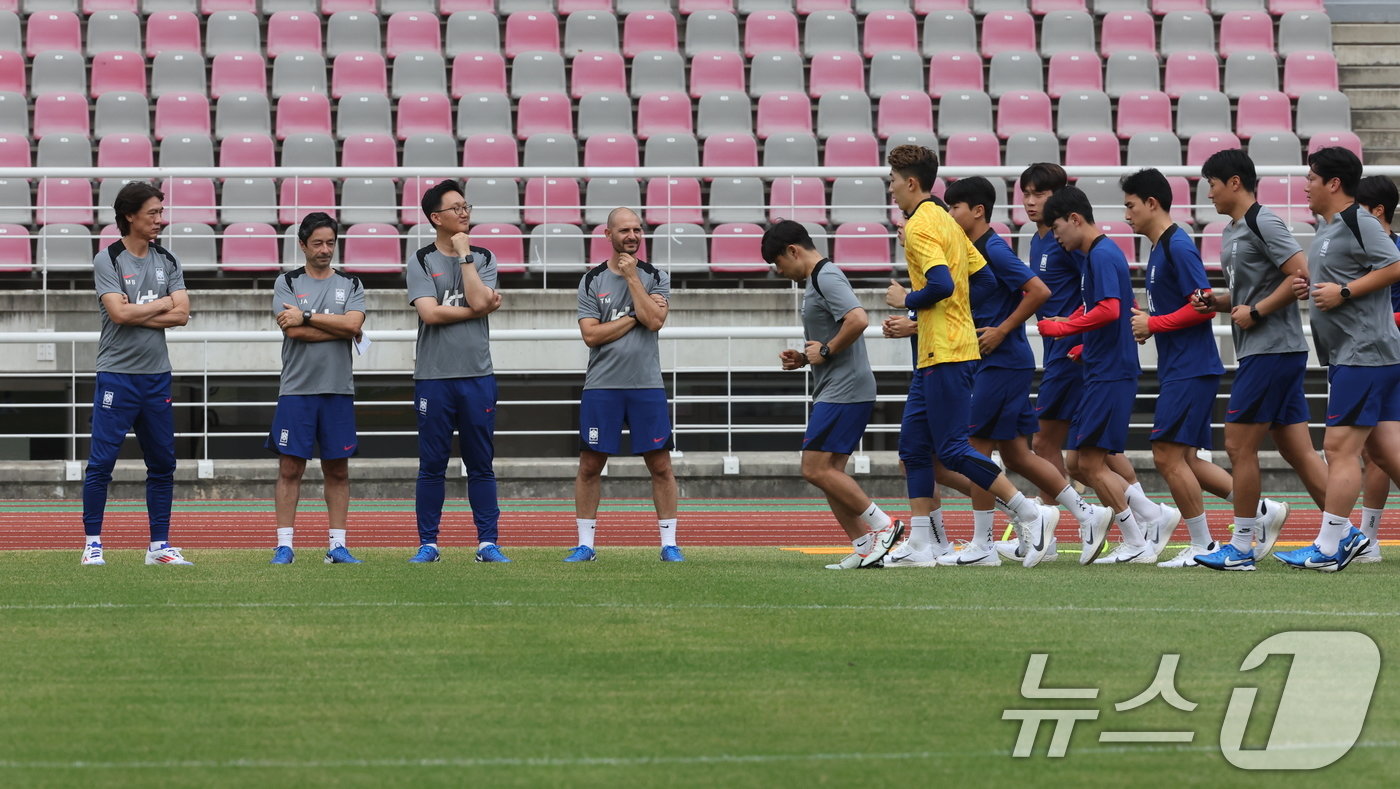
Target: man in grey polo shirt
{"x":622,"y":304}
{"x":1352,"y":266}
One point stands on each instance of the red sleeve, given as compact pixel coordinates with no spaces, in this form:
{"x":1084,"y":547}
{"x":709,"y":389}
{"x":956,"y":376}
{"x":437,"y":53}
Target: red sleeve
{"x":1397,"y":319}
{"x":1103,"y":313}
{"x":1184,"y":318}
{"x":1076,"y":354}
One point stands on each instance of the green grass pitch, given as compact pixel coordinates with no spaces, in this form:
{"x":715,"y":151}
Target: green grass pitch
{"x":743,"y":667}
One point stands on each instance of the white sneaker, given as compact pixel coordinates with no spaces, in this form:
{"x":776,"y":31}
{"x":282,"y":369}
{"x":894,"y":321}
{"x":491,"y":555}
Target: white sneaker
{"x":1268,"y":527}
{"x":1122,"y":554}
{"x":971,"y":556}
{"x":851,"y":562}
{"x":92,"y":554}
{"x":1187,"y":557}
{"x":1009,"y":550}
{"x":1094,"y":533}
{"x":1371,"y":554}
{"x":905,"y":555}
{"x":1163,"y":529}
{"x":165,"y":554}
{"x":1040,"y":535}
{"x":883,"y":542}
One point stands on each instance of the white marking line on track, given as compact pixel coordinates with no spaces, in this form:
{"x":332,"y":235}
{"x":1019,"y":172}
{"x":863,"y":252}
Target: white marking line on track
{"x":1068,"y":609}
{"x":606,"y":761}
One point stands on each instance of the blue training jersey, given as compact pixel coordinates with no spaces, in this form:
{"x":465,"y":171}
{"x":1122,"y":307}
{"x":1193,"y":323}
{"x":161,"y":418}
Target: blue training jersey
{"x":995,"y":297}
{"x":1174,"y":272}
{"x":1395,"y":289}
{"x":1110,"y":352}
{"x":1061,"y":271}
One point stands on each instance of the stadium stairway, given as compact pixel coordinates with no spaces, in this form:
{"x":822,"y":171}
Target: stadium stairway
{"x":1368,"y":57}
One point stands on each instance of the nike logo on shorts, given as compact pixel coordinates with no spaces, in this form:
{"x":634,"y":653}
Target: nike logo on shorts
{"x":347,"y":449}
{"x":658,"y":440}
{"x":1233,"y":411}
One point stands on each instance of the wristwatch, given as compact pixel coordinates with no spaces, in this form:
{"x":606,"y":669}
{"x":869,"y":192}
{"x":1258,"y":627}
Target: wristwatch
{"x":1346,"y":293}
{"x":825,"y":350}
{"x":306,"y":317}
{"x":1255,"y":315}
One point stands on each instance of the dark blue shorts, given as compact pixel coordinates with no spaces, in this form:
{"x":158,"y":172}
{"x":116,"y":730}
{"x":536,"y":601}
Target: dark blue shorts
{"x":603,"y":412}
{"x":1001,"y":404}
{"x":304,"y":422}
{"x":915,"y":439}
{"x":1104,"y":414}
{"x":1268,"y":388}
{"x":1363,"y":396}
{"x":1184,"y":408}
{"x":1061,"y":390}
{"x":836,"y":427}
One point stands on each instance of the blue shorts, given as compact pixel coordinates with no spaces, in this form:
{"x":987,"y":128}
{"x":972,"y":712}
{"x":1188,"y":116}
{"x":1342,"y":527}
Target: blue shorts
{"x":603,"y":412}
{"x":836,"y":427}
{"x":1061,"y":391}
{"x":1001,"y":404}
{"x":304,"y":422}
{"x":1362,"y":396}
{"x":1104,"y":414}
{"x":915,"y":440}
{"x":1184,"y":408}
{"x":1268,"y":388}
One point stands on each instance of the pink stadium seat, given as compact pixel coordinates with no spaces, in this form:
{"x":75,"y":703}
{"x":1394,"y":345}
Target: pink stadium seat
{"x":674,"y":200}
{"x":182,"y":114}
{"x":369,"y":150}
{"x":862,"y":247}
{"x":329,"y":7}
{"x":1284,"y":194}
{"x":1246,"y":31}
{"x":51,"y":31}
{"x":190,"y":200}
{"x":784,"y":113}
{"x":611,"y":150}
{"x":14,"y":151}
{"x":247,"y":150}
{"x":1092,"y":148}
{"x":1344,"y":139}
{"x":798,"y":199}
{"x":1148,"y":111}
{"x":490,"y":150}
{"x":716,"y":72}
{"x":1281,"y":7}
{"x":1201,"y":146}
{"x":737,"y":150}
{"x":64,"y":201}
{"x":736,"y":248}
{"x":1008,"y":31}
{"x":973,"y":150}
{"x":412,"y":31}
{"x":904,"y":113}
{"x":298,"y":197}
{"x":123,"y":72}
{"x":207,"y":7}
{"x":531,"y":31}
{"x":372,"y":248}
{"x":478,"y":72}
{"x":597,"y":72}
{"x":833,"y":72}
{"x":552,"y":200}
{"x":251,"y":246}
{"x":1181,"y":200}
{"x":770,"y":31}
{"x":293,"y":31}
{"x":358,"y":72}
{"x":60,"y":113}
{"x":1120,"y":233}
{"x":411,"y":201}
{"x":954,"y":72}
{"x":1264,"y":112}
{"x":237,"y":73}
{"x":663,"y":113}
{"x":173,"y":31}
{"x":303,"y":113}
{"x":648,"y":31}
{"x":1073,"y":72}
{"x":12,"y":73}
{"x":600,"y":248}
{"x":505,"y":242}
{"x":543,"y":113}
{"x":1211,"y":243}
{"x":852,"y":150}
{"x":424,"y":113}
{"x":890,"y":31}
{"x":121,"y":150}
{"x":15,"y":254}
{"x":1307,"y":72}
{"x":1024,"y":111}
{"x":1191,"y":72}
{"x":1128,"y":31}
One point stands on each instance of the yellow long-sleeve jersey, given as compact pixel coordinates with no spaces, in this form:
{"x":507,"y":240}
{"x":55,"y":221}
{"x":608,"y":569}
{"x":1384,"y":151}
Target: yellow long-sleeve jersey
{"x":933,"y":238}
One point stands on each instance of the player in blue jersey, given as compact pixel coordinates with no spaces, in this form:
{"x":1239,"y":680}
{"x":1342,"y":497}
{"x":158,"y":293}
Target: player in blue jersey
{"x":1378,"y":195}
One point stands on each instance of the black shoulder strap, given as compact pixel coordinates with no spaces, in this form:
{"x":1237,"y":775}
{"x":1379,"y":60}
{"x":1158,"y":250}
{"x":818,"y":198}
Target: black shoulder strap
{"x":593,"y":274}
{"x":816,"y":280}
{"x":162,"y":250}
{"x":650,"y":269}
{"x":423,"y":255}
{"x":1164,"y":241}
{"x":287,"y":278}
{"x":1251,"y":218}
{"x":115,"y":250}
{"x":355,"y":283}
{"x":1353,"y":223}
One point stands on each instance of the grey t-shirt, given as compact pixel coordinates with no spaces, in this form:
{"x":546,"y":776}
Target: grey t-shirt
{"x":1359,"y":332}
{"x":134,"y":350}
{"x":450,"y":350}
{"x":845,"y":377}
{"x":311,"y":368}
{"x":1253,"y":264}
{"x":632,"y":361}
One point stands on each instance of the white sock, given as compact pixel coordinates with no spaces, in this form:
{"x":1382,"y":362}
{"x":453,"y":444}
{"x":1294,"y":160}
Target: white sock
{"x":920,"y":532}
{"x":1200,"y":530}
{"x":155,"y":546}
{"x":1334,"y":528}
{"x":1371,"y":522}
{"x":940,"y":535}
{"x":586,"y":528}
{"x":1026,"y":510}
{"x":982,"y":523}
{"x":863,"y":543}
{"x":92,"y":539}
{"x":1070,"y":499}
{"x":1145,"y":510}
{"x":337,"y":538}
{"x":1128,"y":526}
{"x":1243,"y":538}
{"x":284,"y":537}
{"x":667,"y":528}
{"x":874,"y":518}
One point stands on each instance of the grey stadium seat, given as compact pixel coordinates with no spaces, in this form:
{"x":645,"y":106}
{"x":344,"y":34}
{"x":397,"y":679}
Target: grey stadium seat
{"x":1202,"y":112}
{"x":895,"y":72}
{"x":1131,"y":72}
{"x":843,"y":113}
{"x":604,"y":113}
{"x":590,"y":31}
{"x":417,"y":72}
{"x":1154,"y":149}
{"x":107,"y":190}
{"x":551,"y":150}
{"x":431,"y":150}
{"x":297,"y":72}
{"x":118,"y":113}
{"x":1027,"y":147}
{"x":534,"y":72}
{"x":352,"y":31}
{"x":186,"y":151}
{"x":16,"y":208}
{"x":1013,"y":72}
{"x":711,"y":31}
{"x":961,"y":113}
{"x":1323,"y":111}
{"x":64,"y":150}
{"x":113,"y":31}
{"x":790,"y":150}
{"x":1281,"y":148}
{"x":949,"y":31}
{"x":496,"y":200}
{"x":1187,"y":31}
{"x":484,"y":113}
{"x":657,"y":71}
{"x":242,"y":113}
{"x":58,"y":72}
{"x":1304,"y":31}
{"x":1085,"y":111}
{"x":248,"y":200}
{"x":61,"y":247}
{"x":602,"y":195}
{"x":192,"y":244}
{"x":369,"y":200}
{"x":309,"y":150}
{"x":557,"y":249}
{"x":14,"y":113}
{"x":472,"y":31}
{"x":859,"y":200}
{"x":680,"y":247}
{"x":830,"y":31}
{"x":363,"y":113}
{"x":1246,"y":72}
{"x":182,"y":72}
{"x":777,"y":71}
{"x":232,"y":31}
{"x":724,"y":113}
{"x":735,"y":200}
{"x":1066,"y":31}
{"x":671,"y":150}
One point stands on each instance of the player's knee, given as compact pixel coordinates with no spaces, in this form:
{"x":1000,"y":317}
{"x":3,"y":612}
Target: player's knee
{"x":336,"y":473}
{"x":590,"y":465}
{"x":1165,"y":456}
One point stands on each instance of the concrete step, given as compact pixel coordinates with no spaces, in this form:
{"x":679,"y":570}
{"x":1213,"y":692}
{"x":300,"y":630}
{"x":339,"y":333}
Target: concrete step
{"x":1352,"y":55}
{"x":1377,"y":75}
{"x":1382,"y":156}
{"x":1375,"y":119}
{"x":1374,"y":139}
{"x":1373,"y":98}
{"x":1365,"y":34}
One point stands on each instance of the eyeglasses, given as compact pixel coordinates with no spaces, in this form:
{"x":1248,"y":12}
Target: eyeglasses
{"x":460,"y":210}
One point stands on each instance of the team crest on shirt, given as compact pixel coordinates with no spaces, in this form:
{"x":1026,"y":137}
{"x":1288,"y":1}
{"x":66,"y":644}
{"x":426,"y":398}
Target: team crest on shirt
{"x":107,"y":398}
{"x":282,"y":440}
{"x":1326,"y":242}
{"x":340,"y":295}
{"x":160,"y":275}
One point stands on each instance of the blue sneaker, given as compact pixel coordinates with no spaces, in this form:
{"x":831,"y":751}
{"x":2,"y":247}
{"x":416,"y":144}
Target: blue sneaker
{"x":581,"y":554}
{"x":340,"y":555}
{"x":671,"y":553}
{"x":283,"y":555}
{"x":490,"y":552}
{"x":426,"y":553}
{"x":1228,"y":557}
{"x":1312,"y":557}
